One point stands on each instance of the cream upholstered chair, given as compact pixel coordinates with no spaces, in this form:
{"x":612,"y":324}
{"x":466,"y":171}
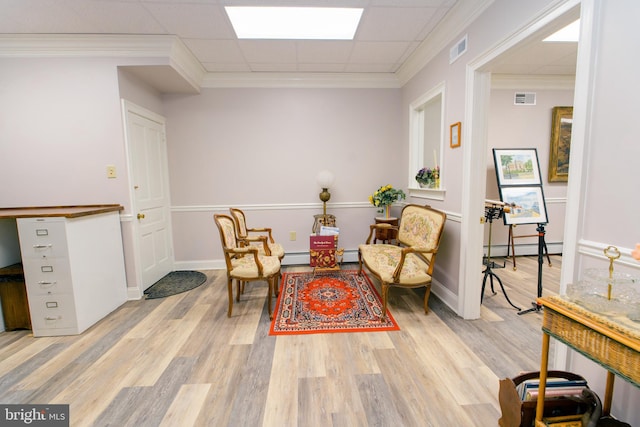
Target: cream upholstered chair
{"x":245,"y":264}
{"x":247,"y":235}
{"x":408,"y":264}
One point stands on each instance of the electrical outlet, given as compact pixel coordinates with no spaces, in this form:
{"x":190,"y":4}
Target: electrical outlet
{"x":111,"y":171}
{"x":292,"y":235}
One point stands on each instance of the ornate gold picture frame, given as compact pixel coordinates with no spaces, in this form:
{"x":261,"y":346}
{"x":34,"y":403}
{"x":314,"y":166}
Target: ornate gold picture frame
{"x":561,"y":122}
{"x":454,"y":135}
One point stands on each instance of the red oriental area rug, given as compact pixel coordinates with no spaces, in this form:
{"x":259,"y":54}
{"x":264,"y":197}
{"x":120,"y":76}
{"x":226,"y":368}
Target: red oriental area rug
{"x":337,"y":301}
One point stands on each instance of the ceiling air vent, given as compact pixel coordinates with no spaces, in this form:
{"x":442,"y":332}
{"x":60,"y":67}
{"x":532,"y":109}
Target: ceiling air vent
{"x":458,"y":49}
{"x":525,"y":98}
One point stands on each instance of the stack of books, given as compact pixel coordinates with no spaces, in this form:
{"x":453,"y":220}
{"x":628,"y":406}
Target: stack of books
{"x":556,"y":387}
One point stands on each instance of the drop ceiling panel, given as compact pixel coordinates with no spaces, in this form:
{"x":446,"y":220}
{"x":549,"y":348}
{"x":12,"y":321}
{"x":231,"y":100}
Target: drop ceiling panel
{"x":221,"y":51}
{"x":394,"y":24}
{"x":330,"y":52}
{"x":269,"y":51}
{"x":203,"y":21}
{"x":378,"y":52}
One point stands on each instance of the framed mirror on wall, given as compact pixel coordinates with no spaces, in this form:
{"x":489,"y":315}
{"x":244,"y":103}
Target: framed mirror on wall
{"x":426,"y":123}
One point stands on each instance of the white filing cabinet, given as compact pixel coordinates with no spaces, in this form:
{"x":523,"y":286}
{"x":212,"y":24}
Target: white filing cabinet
{"x":73,"y":269}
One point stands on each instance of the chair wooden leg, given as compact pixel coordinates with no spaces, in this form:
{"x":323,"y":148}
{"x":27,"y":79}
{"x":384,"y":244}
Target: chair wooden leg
{"x":240,"y":288}
{"x":426,"y":298}
{"x":271,"y":283}
{"x":385,"y":294}
{"x":230,"y":288}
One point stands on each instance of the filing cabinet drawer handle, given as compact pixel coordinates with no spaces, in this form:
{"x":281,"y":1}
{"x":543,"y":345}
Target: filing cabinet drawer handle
{"x":42,"y":246}
{"x":53,"y":318}
{"x":44,"y":283}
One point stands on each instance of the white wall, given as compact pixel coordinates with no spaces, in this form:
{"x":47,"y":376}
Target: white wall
{"x":606,"y":202}
{"x":261,"y":149}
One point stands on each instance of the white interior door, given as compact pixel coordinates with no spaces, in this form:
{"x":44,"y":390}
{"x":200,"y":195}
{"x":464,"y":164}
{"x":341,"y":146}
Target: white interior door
{"x":150,"y":194}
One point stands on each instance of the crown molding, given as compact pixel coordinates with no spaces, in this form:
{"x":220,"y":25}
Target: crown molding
{"x":70,"y":45}
{"x":301,"y":80}
{"x":163,"y":50}
{"x":528,"y":82}
{"x":452,"y":25}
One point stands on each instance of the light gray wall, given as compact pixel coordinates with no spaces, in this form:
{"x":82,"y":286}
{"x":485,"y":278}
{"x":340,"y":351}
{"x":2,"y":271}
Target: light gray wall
{"x":496,"y":23}
{"x":61,"y":126}
{"x":261,"y":149}
{"x":134,"y":89}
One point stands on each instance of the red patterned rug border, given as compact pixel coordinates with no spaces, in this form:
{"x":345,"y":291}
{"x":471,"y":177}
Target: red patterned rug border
{"x":391,"y":324}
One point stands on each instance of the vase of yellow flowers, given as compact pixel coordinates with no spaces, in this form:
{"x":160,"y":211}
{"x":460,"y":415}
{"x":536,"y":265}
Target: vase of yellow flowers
{"x":384,"y":197}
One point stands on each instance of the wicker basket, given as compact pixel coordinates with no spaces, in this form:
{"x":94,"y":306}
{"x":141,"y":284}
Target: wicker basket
{"x":596,"y":339}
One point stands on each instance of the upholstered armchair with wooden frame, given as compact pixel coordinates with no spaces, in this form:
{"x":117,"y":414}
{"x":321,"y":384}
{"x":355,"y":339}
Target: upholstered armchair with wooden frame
{"x":409,"y":264}
{"x":244,"y":263}
{"x":248,"y":235}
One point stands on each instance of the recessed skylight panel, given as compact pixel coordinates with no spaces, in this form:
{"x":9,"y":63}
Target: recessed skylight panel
{"x":301,"y":23}
{"x":570,"y":33}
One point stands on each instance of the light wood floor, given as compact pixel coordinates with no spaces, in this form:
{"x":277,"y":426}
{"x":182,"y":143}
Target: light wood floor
{"x":180,"y":361}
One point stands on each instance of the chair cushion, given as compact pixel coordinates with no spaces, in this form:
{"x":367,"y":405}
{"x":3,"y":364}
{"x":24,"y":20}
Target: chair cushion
{"x":383,"y":259}
{"x":276,"y":249}
{"x":246,"y":268}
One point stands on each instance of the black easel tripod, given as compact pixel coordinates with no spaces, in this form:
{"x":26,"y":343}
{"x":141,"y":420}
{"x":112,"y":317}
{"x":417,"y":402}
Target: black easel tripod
{"x":542,"y":245}
{"x":493,"y":210}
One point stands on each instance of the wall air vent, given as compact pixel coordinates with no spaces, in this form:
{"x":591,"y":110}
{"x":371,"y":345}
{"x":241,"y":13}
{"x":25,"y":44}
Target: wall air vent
{"x":525,"y":98}
{"x":458,"y":49}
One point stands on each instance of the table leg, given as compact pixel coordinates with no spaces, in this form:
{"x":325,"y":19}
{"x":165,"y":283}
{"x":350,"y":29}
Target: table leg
{"x":608,"y":394}
{"x":544,"y":363}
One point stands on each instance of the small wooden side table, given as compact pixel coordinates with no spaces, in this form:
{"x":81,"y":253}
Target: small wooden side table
{"x":386,"y":235}
{"x":607,"y":341}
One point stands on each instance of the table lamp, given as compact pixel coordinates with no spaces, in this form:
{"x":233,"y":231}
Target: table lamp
{"x":324,"y":179}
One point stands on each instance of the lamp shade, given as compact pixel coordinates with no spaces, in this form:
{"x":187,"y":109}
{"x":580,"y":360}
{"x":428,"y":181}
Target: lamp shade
{"x":324,"y":179}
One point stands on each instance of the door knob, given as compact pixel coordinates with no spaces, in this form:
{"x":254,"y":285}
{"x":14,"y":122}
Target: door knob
{"x":140,"y":216}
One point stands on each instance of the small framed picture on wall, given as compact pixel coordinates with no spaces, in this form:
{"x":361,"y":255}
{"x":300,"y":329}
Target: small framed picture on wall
{"x":454,"y":135}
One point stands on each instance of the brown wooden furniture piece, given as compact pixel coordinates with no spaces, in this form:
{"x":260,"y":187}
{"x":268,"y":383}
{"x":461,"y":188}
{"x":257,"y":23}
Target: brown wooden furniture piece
{"x":386,"y":235}
{"x":522,"y":413}
{"x":410,"y":263}
{"x":612,"y":343}
{"x":511,"y":247}
{"x":13,"y":295}
{"x":248,"y":235}
{"x":244,"y":263}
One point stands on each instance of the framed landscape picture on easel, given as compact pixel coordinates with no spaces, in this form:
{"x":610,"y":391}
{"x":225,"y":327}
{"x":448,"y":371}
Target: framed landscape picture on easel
{"x":520,"y":185}
{"x":517,"y":166}
{"x":529,"y":206}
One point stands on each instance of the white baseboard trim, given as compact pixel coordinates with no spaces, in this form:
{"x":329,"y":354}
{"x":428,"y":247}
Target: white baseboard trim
{"x":133,"y":294}
{"x":446,"y":296}
{"x":291,"y":258}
